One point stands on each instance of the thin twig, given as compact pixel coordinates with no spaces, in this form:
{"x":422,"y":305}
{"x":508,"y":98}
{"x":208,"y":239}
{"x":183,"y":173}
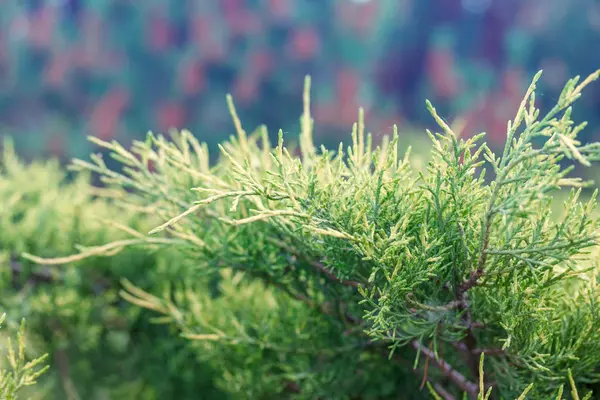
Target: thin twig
{"x":426,"y":369}
{"x":456,"y":377}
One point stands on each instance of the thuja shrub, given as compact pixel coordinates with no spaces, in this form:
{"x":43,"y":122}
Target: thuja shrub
{"x":98,"y":345}
{"x":352,"y":274}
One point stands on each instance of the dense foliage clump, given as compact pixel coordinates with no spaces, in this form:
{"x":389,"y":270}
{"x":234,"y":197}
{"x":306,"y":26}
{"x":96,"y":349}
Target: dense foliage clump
{"x":310,"y":273}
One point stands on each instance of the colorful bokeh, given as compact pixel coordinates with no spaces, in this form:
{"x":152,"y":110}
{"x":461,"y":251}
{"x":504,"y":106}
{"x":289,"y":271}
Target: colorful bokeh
{"x":118,"y":68}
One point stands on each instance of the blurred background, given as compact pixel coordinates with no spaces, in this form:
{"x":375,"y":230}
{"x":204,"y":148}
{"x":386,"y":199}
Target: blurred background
{"x":118,"y":68}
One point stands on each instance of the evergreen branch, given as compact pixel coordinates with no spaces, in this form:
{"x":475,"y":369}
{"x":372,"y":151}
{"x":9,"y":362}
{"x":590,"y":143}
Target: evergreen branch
{"x":507,"y":163}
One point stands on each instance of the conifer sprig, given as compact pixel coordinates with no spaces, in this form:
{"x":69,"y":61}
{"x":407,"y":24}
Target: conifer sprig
{"x":22,"y":373}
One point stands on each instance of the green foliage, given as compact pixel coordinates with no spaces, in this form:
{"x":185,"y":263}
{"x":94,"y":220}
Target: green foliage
{"x":99,"y":345}
{"x":22,"y":373}
{"x":268,"y":345}
{"x":321,"y":262}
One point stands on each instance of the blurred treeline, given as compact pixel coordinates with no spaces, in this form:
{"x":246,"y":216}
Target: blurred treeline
{"x":118,"y":68}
